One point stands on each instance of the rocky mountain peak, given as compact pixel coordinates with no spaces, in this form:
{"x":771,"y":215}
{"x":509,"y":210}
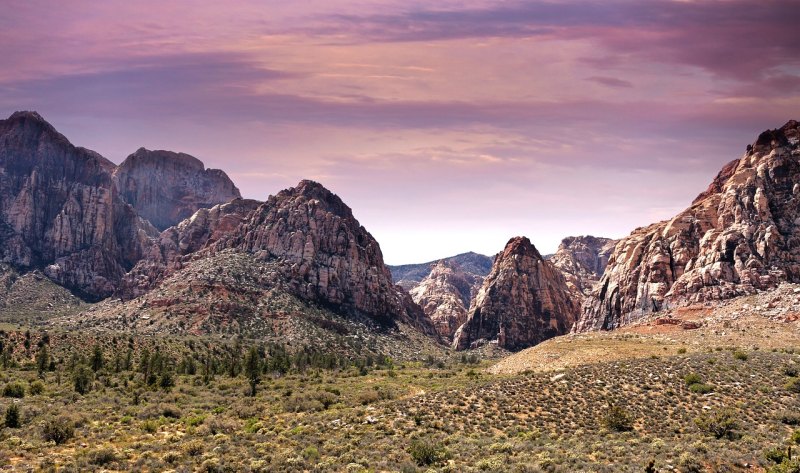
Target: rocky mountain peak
{"x":582,"y":260}
{"x":523,"y":301}
{"x":738,"y":237}
{"x":167,"y":187}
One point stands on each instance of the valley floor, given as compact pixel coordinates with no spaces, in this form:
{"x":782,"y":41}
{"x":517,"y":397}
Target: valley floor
{"x":447,"y":414}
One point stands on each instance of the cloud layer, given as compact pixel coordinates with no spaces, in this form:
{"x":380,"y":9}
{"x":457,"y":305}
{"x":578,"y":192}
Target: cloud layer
{"x":447,"y":128}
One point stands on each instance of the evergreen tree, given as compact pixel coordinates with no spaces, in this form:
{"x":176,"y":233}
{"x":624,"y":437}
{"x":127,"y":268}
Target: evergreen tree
{"x":252,"y":368}
{"x":97,"y":359}
{"x":42,"y":360}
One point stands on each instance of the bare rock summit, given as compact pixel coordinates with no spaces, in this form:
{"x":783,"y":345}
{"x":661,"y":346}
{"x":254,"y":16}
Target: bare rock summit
{"x":740,"y":236}
{"x":523,"y":301}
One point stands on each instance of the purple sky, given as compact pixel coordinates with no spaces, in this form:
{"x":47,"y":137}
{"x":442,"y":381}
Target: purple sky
{"x":447,"y":126}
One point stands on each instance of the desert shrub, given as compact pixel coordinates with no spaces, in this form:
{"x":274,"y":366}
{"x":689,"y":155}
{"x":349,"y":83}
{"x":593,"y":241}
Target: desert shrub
{"x":150,"y":426}
{"x":689,"y":463}
{"x":102,"y":456}
{"x":681,"y":350}
{"x":12,"y":416}
{"x":789,"y":417}
{"x":790,"y":370}
{"x":740,"y":355}
{"x":701,"y":388}
{"x":617,"y":419}
{"x":171,"y":411}
{"x":787,"y":466}
{"x":427,"y":452}
{"x":193,"y":448}
{"x":793,"y":385}
{"x":36,"y":388}
{"x":14,"y":389}
{"x":795,"y":437}
{"x":692,"y":378}
{"x":721,"y":423}
{"x":58,"y":430}
{"x":776,"y":455}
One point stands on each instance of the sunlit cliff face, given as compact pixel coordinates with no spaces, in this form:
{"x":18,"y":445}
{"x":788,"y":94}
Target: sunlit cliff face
{"x":447,"y":128}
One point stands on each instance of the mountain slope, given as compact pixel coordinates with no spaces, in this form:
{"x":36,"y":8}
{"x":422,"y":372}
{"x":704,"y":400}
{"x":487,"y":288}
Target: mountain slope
{"x":740,"y":236}
{"x":304,"y":242}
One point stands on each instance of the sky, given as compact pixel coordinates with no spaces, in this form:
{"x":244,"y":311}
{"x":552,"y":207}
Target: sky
{"x":448,"y":126}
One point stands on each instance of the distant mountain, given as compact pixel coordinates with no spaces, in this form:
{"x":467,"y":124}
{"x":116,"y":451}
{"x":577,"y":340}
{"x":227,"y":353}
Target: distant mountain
{"x":409,"y":275}
{"x":740,"y":236}
{"x":582,"y":260}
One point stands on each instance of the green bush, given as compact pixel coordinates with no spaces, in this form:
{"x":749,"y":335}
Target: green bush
{"x":721,"y":423}
{"x":793,"y":385}
{"x":82,"y":379}
{"x":692,"y":378}
{"x":740,"y":355}
{"x":36,"y":388}
{"x":701,"y":388}
{"x":12,"y":416}
{"x":14,"y":389}
{"x":58,"y":430}
{"x":426,"y":452}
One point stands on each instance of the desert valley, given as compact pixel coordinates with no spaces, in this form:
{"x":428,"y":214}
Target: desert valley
{"x":155,"y":320}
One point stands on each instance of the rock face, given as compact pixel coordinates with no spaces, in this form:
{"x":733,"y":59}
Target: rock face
{"x":445,"y":296}
{"x":472,"y":264}
{"x":166,"y":187}
{"x":523,"y":301}
{"x":59,"y":210}
{"x":582,"y":260}
{"x":177,"y":245}
{"x":739,"y":236}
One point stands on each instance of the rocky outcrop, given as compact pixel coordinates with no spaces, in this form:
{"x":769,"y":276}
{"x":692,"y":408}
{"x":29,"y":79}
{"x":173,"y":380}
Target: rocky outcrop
{"x":523,"y":301}
{"x":177,"y":245}
{"x":472,"y":264}
{"x":59,"y":210}
{"x":445,"y":296}
{"x":582,"y":260}
{"x":739,"y":236}
{"x":167,"y":188}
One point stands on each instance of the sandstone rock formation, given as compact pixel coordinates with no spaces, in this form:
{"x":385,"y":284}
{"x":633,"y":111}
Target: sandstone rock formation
{"x":166,"y":187}
{"x":177,"y":245}
{"x":582,"y":260}
{"x":739,"y":236}
{"x":523,"y":301}
{"x":59,"y":210}
{"x":310,"y":242}
{"x":445,"y":296}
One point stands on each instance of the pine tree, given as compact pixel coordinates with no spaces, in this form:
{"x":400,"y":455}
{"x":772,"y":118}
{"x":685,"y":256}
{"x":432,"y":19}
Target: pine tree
{"x":252,"y":368}
{"x":97,"y":359}
{"x":42,"y":360}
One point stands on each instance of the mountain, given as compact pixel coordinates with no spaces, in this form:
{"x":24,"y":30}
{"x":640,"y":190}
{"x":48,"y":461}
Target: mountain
{"x":230,"y":261}
{"x":523,"y":301}
{"x":738,"y":237}
{"x":82,"y":220}
{"x":445,"y":296}
{"x":166,"y":187}
{"x":582,"y":260}
{"x":60,"y":211}
{"x":409,"y":275}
